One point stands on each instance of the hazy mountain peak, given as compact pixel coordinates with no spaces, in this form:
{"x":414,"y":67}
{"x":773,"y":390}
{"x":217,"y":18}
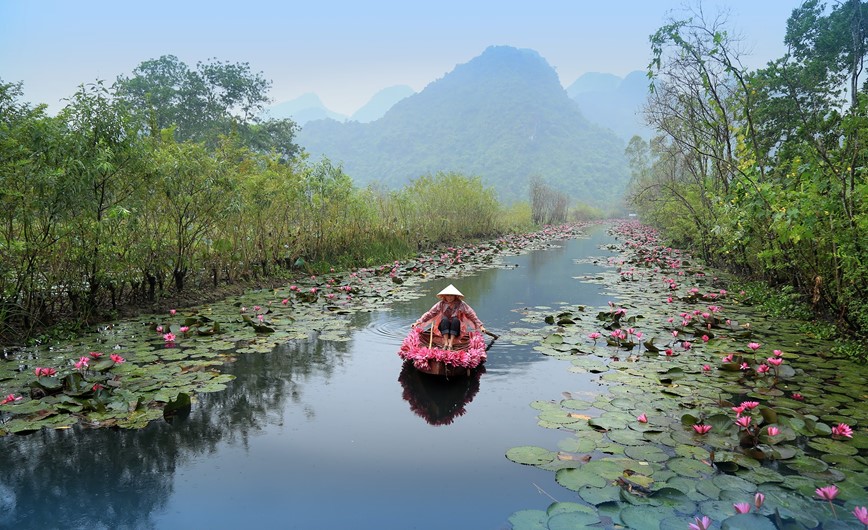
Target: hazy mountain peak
{"x":502,"y":116}
{"x":305,"y":108}
{"x":614,"y":102}
{"x":593,"y":82}
{"x":381,"y":102}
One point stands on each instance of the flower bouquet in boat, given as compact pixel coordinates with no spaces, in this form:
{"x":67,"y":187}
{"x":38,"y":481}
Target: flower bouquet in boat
{"x":427,"y":353}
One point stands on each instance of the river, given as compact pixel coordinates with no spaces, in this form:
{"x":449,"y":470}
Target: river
{"x":322,"y":434}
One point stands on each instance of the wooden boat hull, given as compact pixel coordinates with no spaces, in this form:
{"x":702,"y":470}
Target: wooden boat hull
{"x":427,"y":354}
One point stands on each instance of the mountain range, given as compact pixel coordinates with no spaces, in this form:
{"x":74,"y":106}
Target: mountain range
{"x":503,"y":116}
{"x":309,"y":107}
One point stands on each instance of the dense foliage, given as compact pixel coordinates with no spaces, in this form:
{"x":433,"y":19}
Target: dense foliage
{"x":99,"y":209}
{"x":503,"y":116}
{"x":764,"y":171}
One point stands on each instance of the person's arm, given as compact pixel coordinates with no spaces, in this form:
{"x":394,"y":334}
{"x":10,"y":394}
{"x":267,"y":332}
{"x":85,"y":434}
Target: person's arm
{"x":433,"y":312}
{"x":471,"y":315}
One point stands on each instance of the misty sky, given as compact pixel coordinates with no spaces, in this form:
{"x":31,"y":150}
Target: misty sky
{"x":343,"y":51}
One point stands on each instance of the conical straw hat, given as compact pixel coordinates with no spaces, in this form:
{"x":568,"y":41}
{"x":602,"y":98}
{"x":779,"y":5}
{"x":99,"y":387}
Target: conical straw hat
{"x":450,"y":290}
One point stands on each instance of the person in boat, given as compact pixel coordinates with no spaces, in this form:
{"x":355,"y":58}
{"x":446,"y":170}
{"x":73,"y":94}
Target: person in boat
{"x":450,"y":316}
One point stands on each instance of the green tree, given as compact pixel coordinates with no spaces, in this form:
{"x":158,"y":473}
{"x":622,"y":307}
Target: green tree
{"x":103,"y":162}
{"x":213,"y":99}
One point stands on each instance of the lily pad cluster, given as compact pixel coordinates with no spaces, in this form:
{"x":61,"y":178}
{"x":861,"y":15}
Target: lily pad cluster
{"x":713,"y":415}
{"x":130,"y":372}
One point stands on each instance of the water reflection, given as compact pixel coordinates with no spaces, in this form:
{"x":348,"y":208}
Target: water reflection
{"x":105,"y":478}
{"x":436,"y":399}
{"x":313,"y":421}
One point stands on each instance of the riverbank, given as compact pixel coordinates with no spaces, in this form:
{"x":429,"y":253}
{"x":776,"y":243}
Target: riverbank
{"x":712,"y":408}
{"x":127,"y":372}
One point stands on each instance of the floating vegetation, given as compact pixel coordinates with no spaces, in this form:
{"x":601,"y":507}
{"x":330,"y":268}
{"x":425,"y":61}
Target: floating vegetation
{"x":716,"y":415}
{"x":128,"y":373}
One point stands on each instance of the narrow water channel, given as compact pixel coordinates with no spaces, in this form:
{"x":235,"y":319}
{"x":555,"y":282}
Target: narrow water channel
{"x":330,"y":435}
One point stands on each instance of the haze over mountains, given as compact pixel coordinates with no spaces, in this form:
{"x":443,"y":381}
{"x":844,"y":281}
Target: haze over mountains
{"x":503,"y":116}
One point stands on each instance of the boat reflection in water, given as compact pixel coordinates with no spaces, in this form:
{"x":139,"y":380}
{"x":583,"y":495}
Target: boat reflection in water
{"x":436,"y":399}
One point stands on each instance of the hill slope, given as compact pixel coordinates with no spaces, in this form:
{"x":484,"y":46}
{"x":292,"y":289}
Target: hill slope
{"x":381,"y":102}
{"x":305,"y":108}
{"x":613,"y":102}
{"x":503,"y":116}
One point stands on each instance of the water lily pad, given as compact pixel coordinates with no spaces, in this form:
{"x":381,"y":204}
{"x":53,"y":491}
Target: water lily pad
{"x":806,"y":464}
{"x":761,"y":475}
{"x":834,"y":447}
{"x":747,"y":521}
{"x":689,"y":467}
{"x":626,"y":437}
{"x":731,"y":482}
{"x":576,"y":479}
{"x":646,"y":453}
{"x":575,"y":404}
{"x":529,"y":520}
{"x":692,"y":451}
{"x":596,"y":496}
{"x":644,"y":517}
{"x":530,"y":455}
{"x":583,"y":444}
{"x":569,"y":515}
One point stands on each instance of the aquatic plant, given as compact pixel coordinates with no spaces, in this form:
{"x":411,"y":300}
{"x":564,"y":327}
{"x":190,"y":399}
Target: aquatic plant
{"x":777,"y":422}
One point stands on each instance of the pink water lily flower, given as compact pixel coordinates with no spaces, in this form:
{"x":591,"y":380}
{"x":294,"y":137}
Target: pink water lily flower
{"x":861,"y":513}
{"x":169,"y":337}
{"x":117,"y":359}
{"x":82,"y":363}
{"x":45,"y":372}
{"x":750,"y":405}
{"x":173,"y":311}
{"x":706,"y":368}
{"x":741,"y":507}
{"x":775,"y":361}
{"x":843,"y":430}
{"x":727,"y":359}
{"x":754,"y":345}
{"x":743,"y":421}
{"x":285,"y":301}
{"x":642,"y":418}
{"x":184,"y":329}
{"x":763,"y":368}
{"x":773,"y":431}
{"x":701,"y":428}
{"x":758,"y":500}
{"x":159,"y":329}
{"x":744,"y":366}
{"x":11,"y":398}
{"x":95,"y":354}
{"x":798,"y":397}
{"x":827,"y":493}
{"x":700,"y":524}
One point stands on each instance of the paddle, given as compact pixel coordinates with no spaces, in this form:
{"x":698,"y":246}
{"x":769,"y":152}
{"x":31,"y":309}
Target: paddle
{"x":494,"y":338}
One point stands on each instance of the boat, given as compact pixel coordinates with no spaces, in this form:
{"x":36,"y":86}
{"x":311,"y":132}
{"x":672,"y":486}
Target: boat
{"x":427,"y":354}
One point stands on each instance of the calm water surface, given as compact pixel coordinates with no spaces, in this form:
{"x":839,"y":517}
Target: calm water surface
{"x":329,"y":435}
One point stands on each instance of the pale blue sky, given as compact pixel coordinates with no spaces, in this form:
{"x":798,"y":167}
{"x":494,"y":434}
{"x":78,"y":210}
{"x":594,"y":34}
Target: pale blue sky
{"x":343,"y":51}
